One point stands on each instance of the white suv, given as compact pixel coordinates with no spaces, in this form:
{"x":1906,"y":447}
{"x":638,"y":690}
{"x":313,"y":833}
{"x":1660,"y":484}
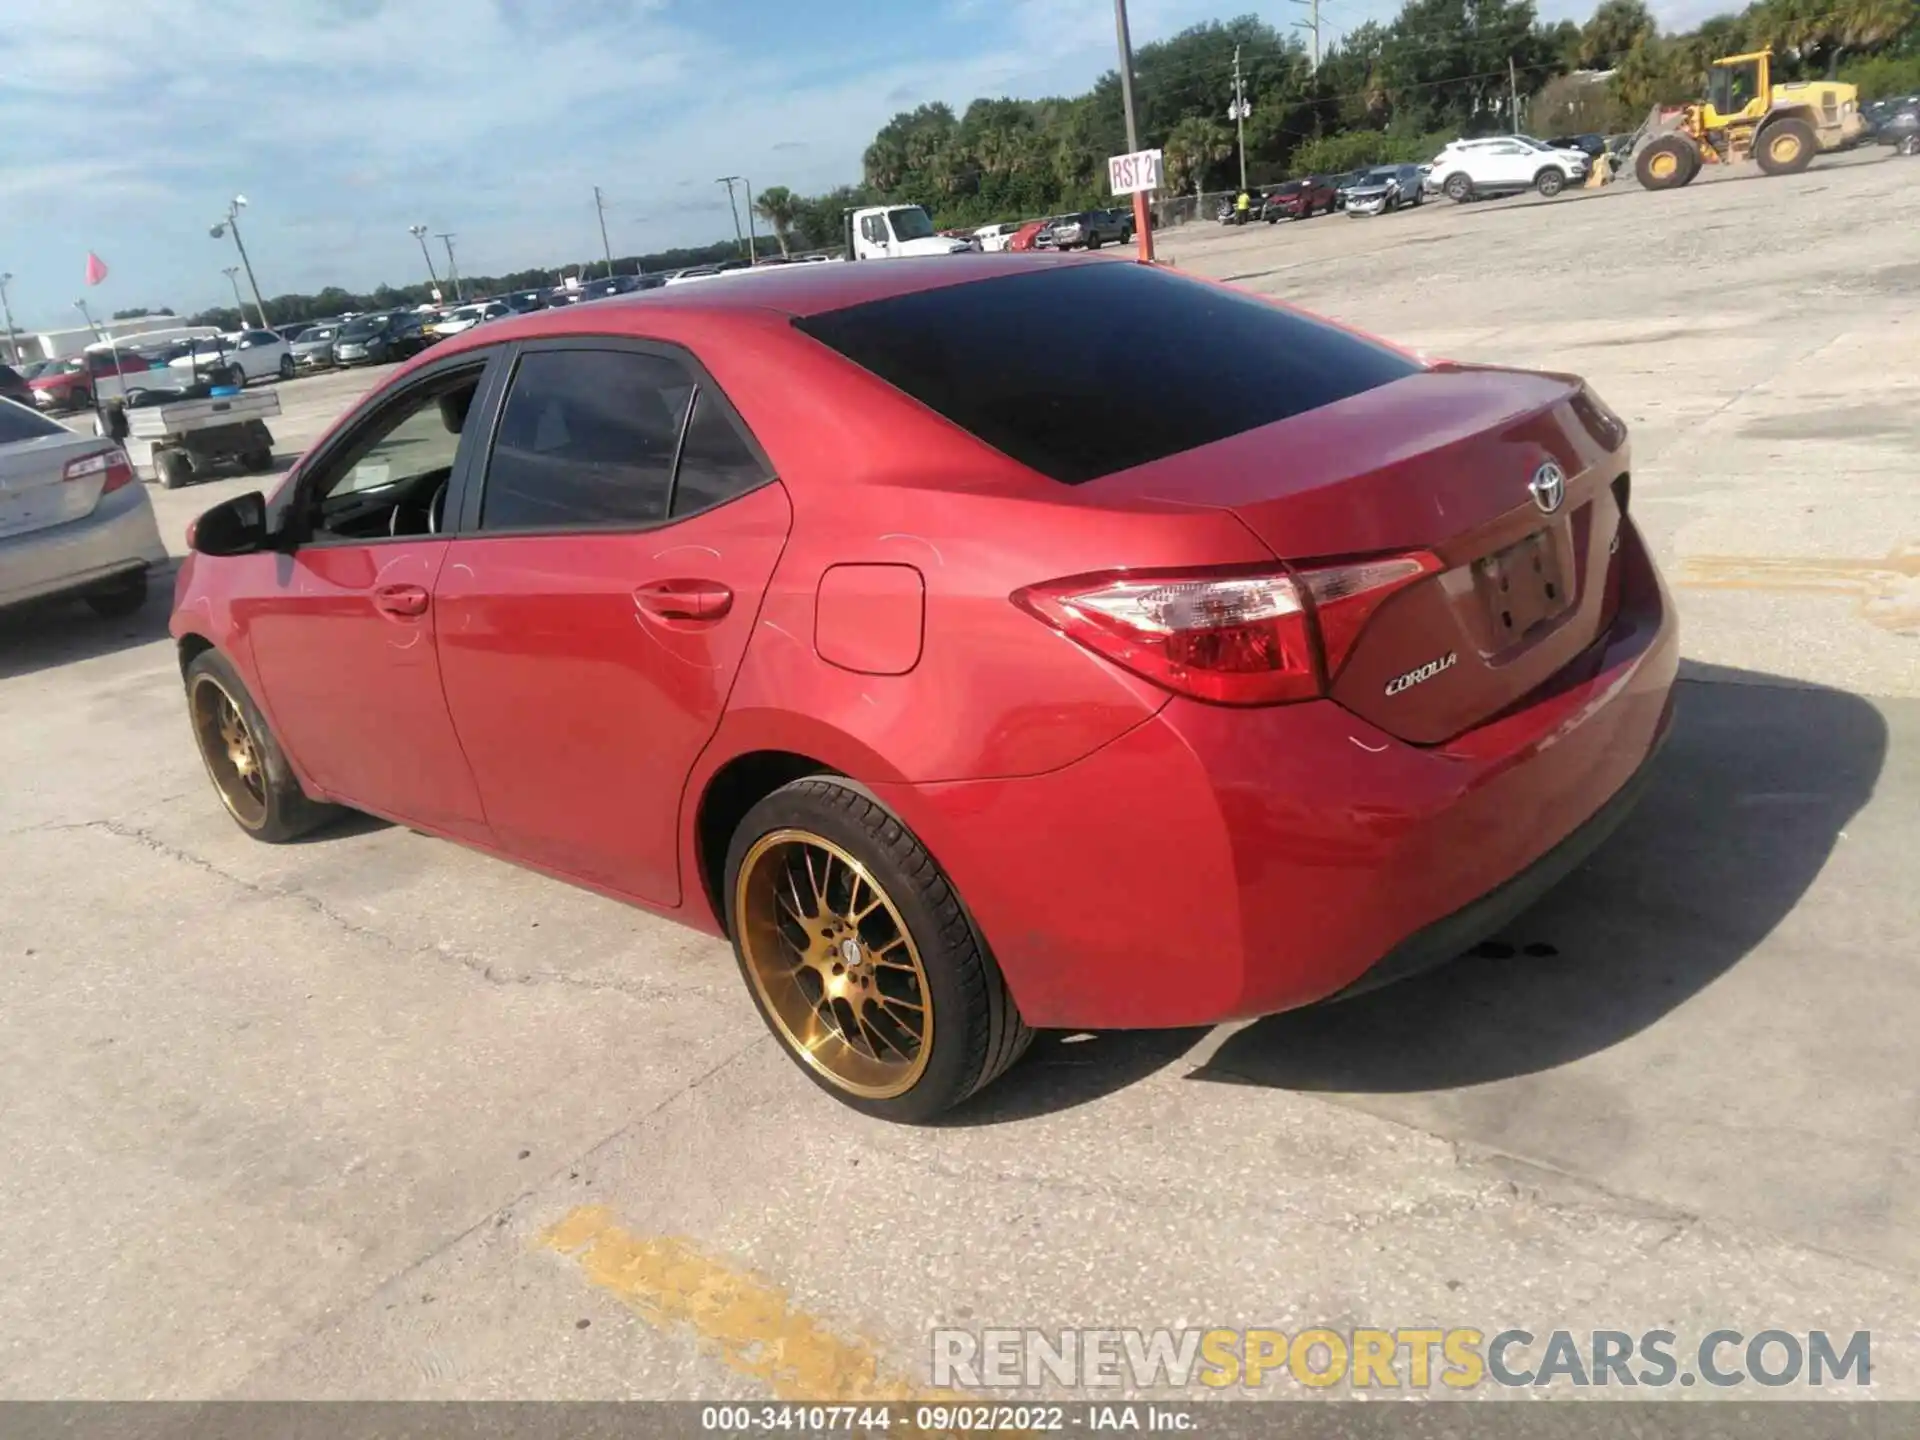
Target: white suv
{"x":1504,"y":165}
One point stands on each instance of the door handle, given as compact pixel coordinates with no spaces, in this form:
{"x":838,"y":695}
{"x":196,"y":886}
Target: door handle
{"x":683,"y":600}
{"x":404,"y":600}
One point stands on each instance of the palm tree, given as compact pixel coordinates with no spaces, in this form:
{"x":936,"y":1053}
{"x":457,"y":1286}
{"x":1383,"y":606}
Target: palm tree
{"x":779,"y":207}
{"x":1192,"y":145}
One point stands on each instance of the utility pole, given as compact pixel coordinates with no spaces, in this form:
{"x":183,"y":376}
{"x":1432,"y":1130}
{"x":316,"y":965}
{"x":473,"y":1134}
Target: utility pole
{"x":1312,"y":27}
{"x":601,"y":205}
{"x":739,"y":237}
{"x":231,"y":225}
{"x":1142,"y":217}
{"x":1513,"y":93}
{"x":419,"y":232}
{"x":1240,"y":112}
{"x":747,"y":185}
{"x":453,"y":266}
{"x":232,"y":272}
{"x":13,"y":345}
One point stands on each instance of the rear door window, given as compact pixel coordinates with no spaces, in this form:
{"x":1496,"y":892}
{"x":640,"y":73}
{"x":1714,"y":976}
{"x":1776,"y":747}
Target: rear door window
{"x":19,"y":423}
{"x":1162,"y":363}
{"x":593,"y":439}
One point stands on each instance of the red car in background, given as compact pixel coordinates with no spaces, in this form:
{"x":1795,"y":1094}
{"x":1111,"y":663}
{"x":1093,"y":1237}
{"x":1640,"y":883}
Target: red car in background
{"x":70,"y":384}
{"x":1300,"y":199}
{"x":964,"y":691}
{"x":1027,"y":234}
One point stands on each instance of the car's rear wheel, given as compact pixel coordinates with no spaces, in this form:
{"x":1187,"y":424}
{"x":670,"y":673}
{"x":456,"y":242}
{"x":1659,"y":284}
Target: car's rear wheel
{"x":286,"y":367}
{"x":234,"y":376}
{"x":860,"y":956}
{"x":248,"y":768}
{"x":1459,"y":188}
{"x":123,"y":597}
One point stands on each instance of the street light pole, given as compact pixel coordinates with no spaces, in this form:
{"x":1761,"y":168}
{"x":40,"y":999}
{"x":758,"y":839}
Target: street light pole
{"x":729,"y":181}
{"x":1142,"y":217}
{"x":419,"y":232}
{"x":231,"y":225}
{"x":13,"y":345}
{"x":453,"y":267}
{"x":232,"y":272}
{"x":600,"y":205}
{"x":747,"y":185}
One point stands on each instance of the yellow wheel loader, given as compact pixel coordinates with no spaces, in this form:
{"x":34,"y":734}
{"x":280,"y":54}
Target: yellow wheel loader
{"x":1747,"y":117}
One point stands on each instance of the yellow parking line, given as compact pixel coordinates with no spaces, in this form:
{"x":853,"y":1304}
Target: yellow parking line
{"x":748,"y":1322}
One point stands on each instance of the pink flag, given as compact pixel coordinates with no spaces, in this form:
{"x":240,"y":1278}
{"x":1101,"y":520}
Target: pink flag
{"x":96,"y":269}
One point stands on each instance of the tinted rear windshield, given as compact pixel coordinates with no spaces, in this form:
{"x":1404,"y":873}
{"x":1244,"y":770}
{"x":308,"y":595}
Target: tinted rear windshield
{"x":1086,"y":370}
{"x":19,"y":423}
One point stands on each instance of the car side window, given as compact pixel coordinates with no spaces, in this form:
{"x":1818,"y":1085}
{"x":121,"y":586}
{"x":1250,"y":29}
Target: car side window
{"x":586,"y":438}
{"x":716,"y":462}
{"x":401,"y":462}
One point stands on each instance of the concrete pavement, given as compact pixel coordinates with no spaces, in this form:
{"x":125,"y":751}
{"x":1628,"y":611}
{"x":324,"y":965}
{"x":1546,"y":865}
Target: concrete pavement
{"x":372,"y":1116}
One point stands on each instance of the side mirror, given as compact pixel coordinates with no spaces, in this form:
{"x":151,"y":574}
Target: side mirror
{"x":234,"y":527}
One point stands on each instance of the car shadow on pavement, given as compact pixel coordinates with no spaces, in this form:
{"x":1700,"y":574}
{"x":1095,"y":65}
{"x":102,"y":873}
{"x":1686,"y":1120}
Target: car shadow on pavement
{"x":1066,"y":1068}
{"x":1755,"y":785}
{"x":50,"y":633}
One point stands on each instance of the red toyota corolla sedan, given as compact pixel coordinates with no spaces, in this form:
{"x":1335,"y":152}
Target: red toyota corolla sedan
{"x":1244,"y":662}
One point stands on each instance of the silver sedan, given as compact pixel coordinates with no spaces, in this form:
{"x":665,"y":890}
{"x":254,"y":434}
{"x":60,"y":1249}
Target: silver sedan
{"x":74,"y":518}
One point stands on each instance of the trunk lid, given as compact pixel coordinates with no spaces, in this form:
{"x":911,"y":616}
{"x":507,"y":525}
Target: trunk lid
{"x":1441,"y":462}
{"x":33,"y":494}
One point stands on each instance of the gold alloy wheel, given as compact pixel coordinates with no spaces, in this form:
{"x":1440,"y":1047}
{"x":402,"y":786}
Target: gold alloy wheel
{"x":833,"y":964}
{"x":1784,"y":149}
{"x":231,"y":751}
{"x":1663,"y":166}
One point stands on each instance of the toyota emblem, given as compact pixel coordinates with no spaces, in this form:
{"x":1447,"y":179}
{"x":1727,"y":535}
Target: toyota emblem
{"x":1548,"y":487}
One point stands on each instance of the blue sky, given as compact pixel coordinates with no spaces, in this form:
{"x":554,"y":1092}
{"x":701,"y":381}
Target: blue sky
{"x":130,"y":123}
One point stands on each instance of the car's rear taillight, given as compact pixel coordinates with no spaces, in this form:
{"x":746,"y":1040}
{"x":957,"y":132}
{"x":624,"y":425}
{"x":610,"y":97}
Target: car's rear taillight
{"x":112,"y":465}
{"x":1238,"y":636}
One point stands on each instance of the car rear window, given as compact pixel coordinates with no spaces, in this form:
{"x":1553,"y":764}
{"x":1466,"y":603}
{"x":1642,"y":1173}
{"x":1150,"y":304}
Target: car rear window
{"x":19,"y":423}
{"x":1085,"y":370}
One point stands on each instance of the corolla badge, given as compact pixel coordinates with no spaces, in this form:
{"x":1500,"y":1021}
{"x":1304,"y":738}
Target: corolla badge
{"x":1426,"y":672}
{"x":1548,"y":487}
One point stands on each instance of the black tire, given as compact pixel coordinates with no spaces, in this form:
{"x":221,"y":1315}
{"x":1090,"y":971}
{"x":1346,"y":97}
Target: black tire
{"x":80,"y":400}
{"x":1666,"y":164}
{"x":123,"y":597}
{"x":286,"y":367}
{"x":1786,"y":147}
{"x":277,"y":809}
{"x":233,"y":376}
{"x":173,"y":468}
{"x":257,"y":462}
{"x":1458,"y":187}
{"x":976,"y":1029}
{"x":1093,"y":242}
{"x":1550,"y":182}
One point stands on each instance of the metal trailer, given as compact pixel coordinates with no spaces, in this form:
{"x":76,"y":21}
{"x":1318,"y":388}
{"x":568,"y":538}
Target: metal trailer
{"x":173,"y":441}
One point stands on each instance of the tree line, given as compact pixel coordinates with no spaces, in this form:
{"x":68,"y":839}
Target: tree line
{"x":1385,"y":92}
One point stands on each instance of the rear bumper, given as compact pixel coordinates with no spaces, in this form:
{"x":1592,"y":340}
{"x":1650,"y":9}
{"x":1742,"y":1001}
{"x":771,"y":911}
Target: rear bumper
{"x":1215,"y":864}
{"x":120,"y":535}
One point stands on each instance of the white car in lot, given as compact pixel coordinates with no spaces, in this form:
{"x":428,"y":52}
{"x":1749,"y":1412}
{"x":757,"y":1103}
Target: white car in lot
{"x":256,"y":354}
{"x":994,"y":238}
{"x":465,"y":317}
{"x":74,"y":518}
{"x":1504,"y":165}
